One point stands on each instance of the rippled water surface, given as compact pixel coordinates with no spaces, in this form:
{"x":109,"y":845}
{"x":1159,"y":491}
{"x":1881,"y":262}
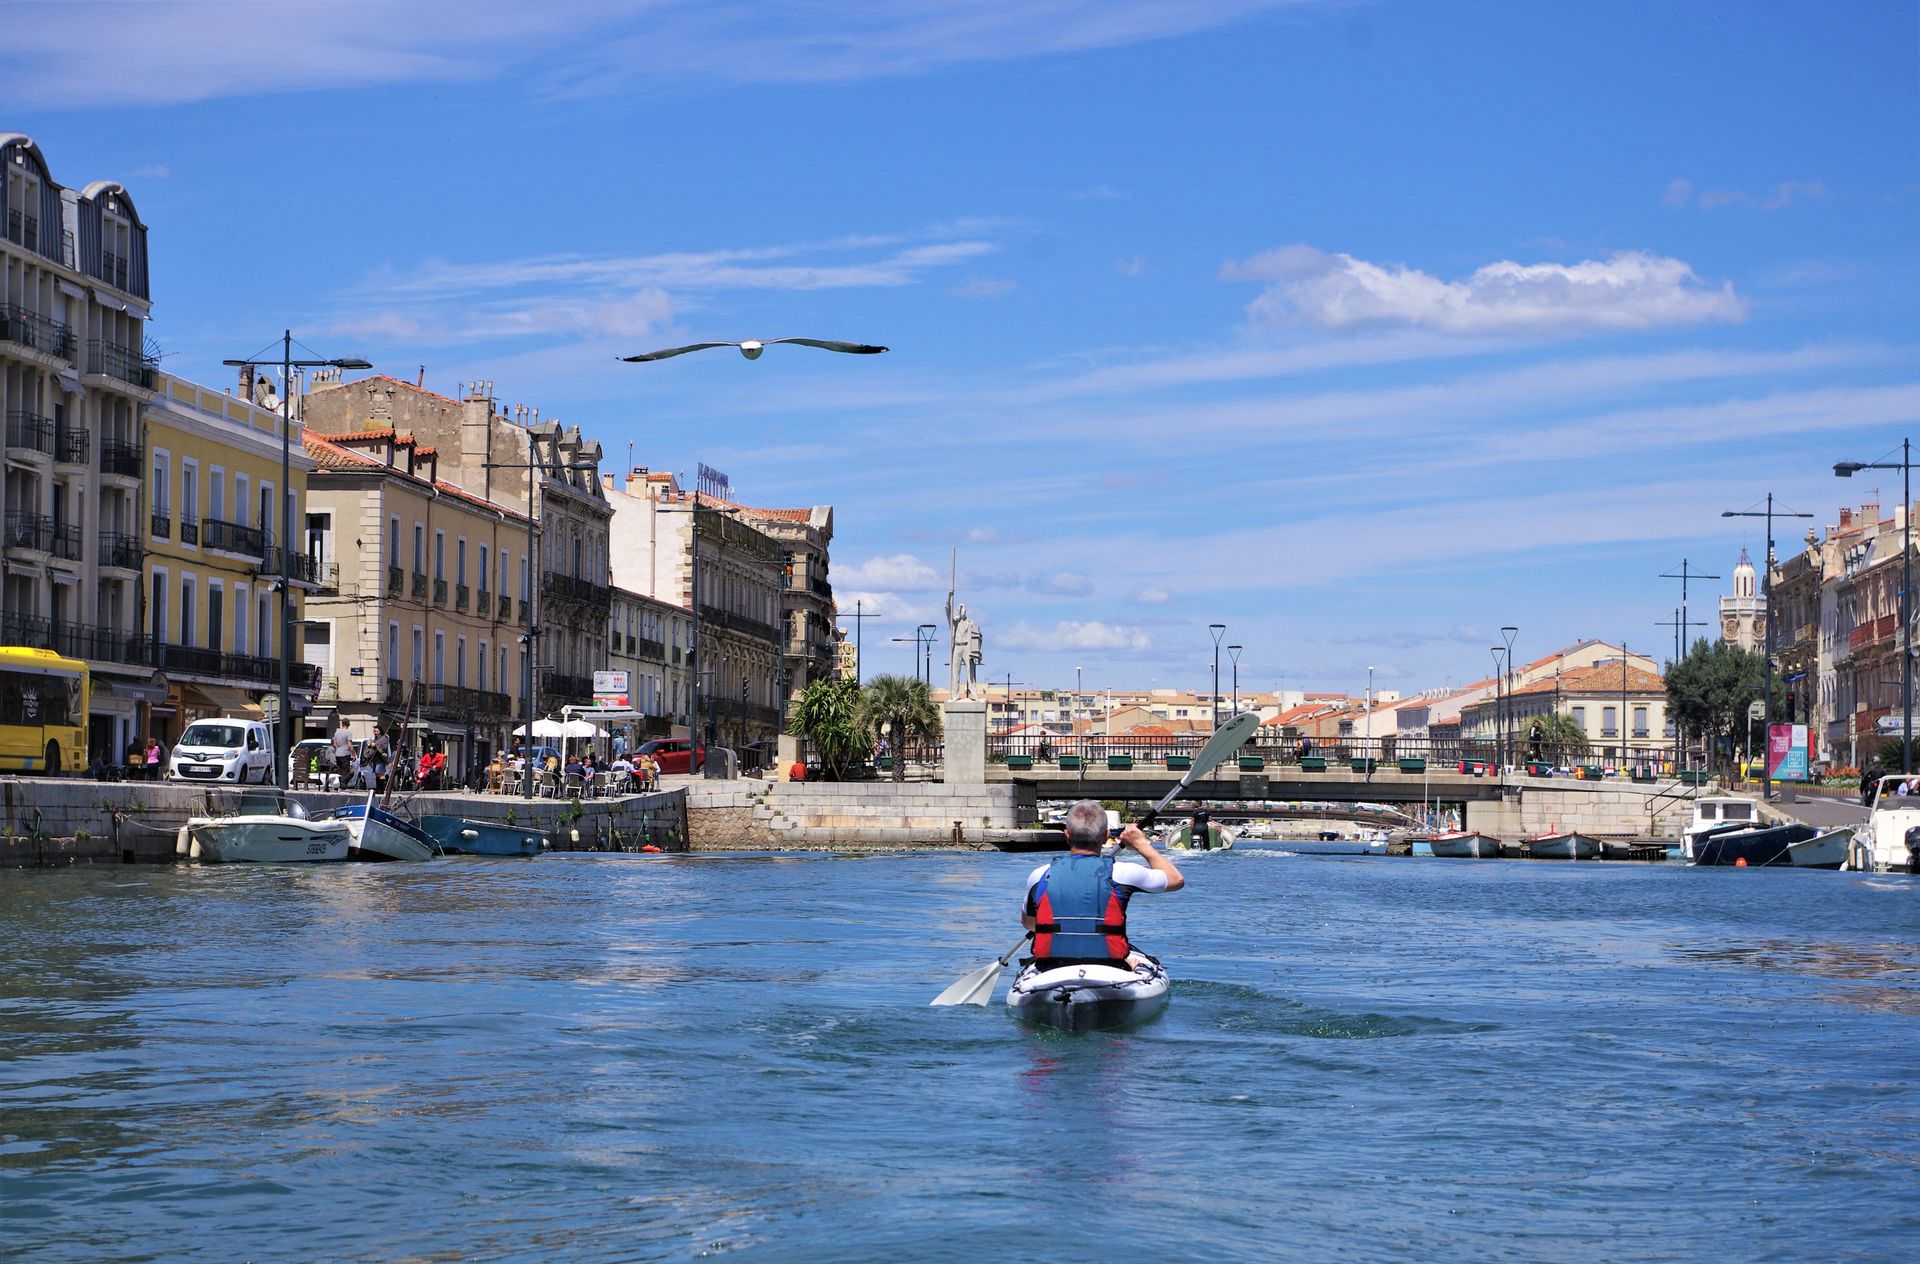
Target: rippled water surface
{"x":624,"y":1058}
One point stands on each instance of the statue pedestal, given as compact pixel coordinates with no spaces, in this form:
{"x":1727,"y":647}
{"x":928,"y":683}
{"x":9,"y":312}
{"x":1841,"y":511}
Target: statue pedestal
{"x":787,"y":754}
{"x":966,"y":741}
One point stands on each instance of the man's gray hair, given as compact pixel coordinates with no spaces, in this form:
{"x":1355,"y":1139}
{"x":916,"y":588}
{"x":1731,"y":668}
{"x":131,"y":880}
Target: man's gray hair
{"x":1087,"y":825}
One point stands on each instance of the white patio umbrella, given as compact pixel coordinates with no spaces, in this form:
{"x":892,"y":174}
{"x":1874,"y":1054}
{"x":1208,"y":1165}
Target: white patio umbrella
{"x":546,"y":728}
{"x":579,"y":728}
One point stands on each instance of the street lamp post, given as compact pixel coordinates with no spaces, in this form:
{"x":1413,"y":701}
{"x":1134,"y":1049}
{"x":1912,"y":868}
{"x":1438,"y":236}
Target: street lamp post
{"x":1509,"y":734}
{"x":1499,"y":712}
{"x":1235,"y":651}
{"x":287,"y":365}
{"x":1846,"y":469}
{"x":1213,"y":700}
{"x":923,"y":636}
{"x":1766,"y":640}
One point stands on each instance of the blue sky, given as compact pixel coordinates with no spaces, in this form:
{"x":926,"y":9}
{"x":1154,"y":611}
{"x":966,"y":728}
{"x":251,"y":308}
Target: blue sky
{"x":1364,"y":328}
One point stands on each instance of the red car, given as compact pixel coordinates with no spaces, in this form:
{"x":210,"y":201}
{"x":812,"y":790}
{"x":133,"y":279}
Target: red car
{"x":670,"y":753}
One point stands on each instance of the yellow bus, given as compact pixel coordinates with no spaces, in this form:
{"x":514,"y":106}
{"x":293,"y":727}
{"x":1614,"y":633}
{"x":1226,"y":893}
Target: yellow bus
{"x":44,"y":700}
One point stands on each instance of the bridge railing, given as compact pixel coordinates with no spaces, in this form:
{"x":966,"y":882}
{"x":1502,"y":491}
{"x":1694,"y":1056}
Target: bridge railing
{"x":1277,"y":751}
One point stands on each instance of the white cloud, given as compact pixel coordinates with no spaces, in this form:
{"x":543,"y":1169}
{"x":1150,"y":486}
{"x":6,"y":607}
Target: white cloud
{"x":1779,"y":197}
{"x":897,"y":572}
{"x":1151,"y":596}
{"x":1135,"y":267}
{"x":982,"y":535}
{"x":985,"y":287}
{"x":885,"y":606}
{"x":1626,"y":291}
{"x":1678,"y":194}
{"x":1070,"y":635}
{"x":1062,"y":584}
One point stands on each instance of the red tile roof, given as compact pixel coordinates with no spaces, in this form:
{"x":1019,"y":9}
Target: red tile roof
{"x":1600,"y":679}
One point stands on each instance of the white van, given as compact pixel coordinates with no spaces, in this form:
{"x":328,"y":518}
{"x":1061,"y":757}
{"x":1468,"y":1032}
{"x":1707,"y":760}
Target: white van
{"x":223,"y":750}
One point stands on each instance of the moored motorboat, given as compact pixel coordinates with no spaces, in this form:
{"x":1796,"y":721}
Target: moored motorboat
{"x":1717,"y":814}
{"x":1329,"y":843}
{"x":1561,"y":845}
{"x":274,"y":830}
{"x":461,"y":836}
{"x":1467,"y":844}
{"x":1767,"y":845}
{"x":380,"y":835}
{"x":1085,"y":997}
{"x":1891,"y":837}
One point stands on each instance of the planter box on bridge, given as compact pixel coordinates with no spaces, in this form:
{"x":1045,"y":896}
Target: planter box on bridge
{"x":1119,"y":763}
{"x":1313,"y":763}
{"x":1413,"y":765}
{"x":1070,"y":762}
{"x":1365,"y":764}
{"x":1179,"y":763}
{"x":1018,"y":762}
{"x":1252,"y":763}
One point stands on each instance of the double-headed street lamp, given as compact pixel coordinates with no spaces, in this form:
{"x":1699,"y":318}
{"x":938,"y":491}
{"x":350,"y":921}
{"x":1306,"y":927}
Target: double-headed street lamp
{"x":1235,"y":651}
{"x":287,"y":365}
{"x":1766,"y":640}
{"x":1509,"y":733}
{"x":1846,"y":469}
{"x":1499,"y":709}
{"x":1213,"y":700}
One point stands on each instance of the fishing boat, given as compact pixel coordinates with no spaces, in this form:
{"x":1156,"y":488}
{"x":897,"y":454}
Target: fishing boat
{"x":380,"y":835}
{"x":458,"y":835}
{"x":1086,"y":997}
{"x":1462,"y":844}
{"x":1764,"y":845}
{"x":262,"y":829}
{"x":1561,"y":845}
{"x":1717,"y":814}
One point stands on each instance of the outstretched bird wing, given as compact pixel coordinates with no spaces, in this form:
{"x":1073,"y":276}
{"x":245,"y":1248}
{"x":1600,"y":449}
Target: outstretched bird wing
{"x":828,"y":344}
{"x":674,"y":351}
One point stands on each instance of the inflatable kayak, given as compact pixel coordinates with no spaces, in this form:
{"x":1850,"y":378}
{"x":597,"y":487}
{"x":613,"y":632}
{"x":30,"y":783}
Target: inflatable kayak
{"x":1081,"y":998}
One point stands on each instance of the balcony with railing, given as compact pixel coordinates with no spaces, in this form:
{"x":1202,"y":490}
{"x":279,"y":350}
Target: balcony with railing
{"x":455,"y":701}
{"x":439,"y":592}
{"x":25,"y":530}
{"x":652,"y":651}
{"x":189,"y":530}
{"x":716,"y":617}
{"x":526,"y":613}
{"x":113,"y":269}
{"x":161,"y":525}
{"x":301,"y":568}
{"x":71,"y":445}
{"x":559,"y":685}
{"x":419,"y":589}
{"x":232,"y":537}
{"x":326,"y":580}
{"x":121,"y":363}
{"x":23,"y":228}
{"x":461,"y":595}
{"x":66,"y":541}
{"x":75,"y":640}
{"x":125,"y":459}
{"x":483,"y":604}
{"x":29,"y":432}
{"x":505,"y":610}
{"x":27,"y":328}
{"x":396,"y":581}
{"x":572,"y":588}
{"x":120,"y":551}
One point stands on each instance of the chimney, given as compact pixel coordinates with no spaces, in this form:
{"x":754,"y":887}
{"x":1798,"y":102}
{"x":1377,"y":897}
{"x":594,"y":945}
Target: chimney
{"x":637,"y":480}
{"x":246,"y":382}
{"x":1846,"y":519}
{"x":476,"y":429}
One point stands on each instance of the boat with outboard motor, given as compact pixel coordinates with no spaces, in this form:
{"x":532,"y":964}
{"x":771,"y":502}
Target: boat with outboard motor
{"x":458,"y":835}
{"x":1089,"y":997}
{"x":1891,"y":837}
{"x":260,"y":828}
{"x":1755,"y":848}
{"x":380,"y":835}
{"x":1717,"y":814}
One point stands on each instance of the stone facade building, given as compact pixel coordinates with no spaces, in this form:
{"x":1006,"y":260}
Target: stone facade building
{"x":488,"y":453}
{"x":1743,"y":614}
{"x":647,"y":639}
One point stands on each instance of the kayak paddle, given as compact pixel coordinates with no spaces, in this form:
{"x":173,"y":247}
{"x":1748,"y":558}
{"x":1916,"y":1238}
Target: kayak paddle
{"x":976,"y":987}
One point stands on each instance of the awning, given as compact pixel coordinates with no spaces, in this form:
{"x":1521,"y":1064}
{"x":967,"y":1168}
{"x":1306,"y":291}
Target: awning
{"x":222,"y":698}
{"x":129,"y":690}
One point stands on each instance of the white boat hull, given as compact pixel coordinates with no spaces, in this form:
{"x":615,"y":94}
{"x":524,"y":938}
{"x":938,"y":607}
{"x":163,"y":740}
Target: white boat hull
{"x":1081,"y":998}
{"x":1827,"y":851}
{"x":271,"y":840}
{"x":377,"y":837}
{"x":1325,"y":846}
{"x":1465,"y":846}
{"x":1563,"y":847}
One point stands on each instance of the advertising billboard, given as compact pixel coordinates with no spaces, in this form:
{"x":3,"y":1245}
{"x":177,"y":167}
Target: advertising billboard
{"x":1787,"y":752}
{"x":610,"y":689}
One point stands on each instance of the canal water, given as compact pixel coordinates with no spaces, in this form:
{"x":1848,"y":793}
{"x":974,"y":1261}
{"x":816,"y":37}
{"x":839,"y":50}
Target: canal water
{"x":621,"y":1058}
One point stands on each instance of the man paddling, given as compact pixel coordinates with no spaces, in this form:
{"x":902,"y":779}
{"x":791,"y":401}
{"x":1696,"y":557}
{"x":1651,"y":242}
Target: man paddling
{"x":1076,"y":907}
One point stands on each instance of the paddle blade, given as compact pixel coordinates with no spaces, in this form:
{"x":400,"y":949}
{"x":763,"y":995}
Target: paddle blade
{"x":1231,"y":737}
{"x":975,"y":988}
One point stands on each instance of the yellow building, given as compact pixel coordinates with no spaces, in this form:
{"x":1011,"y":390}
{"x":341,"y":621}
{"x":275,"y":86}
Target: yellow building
{"x":213,"y":555}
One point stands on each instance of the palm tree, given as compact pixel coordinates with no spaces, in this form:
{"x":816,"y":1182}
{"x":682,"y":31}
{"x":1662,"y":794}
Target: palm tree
{"x":828,"y":714}
{"x":904,"y":707}
{"x":1554,"y":737}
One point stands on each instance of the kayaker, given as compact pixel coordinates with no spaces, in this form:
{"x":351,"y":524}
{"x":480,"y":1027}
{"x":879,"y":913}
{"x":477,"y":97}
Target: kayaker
{"x":1076,"y":907}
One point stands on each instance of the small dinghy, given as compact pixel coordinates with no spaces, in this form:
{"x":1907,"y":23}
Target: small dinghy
{"x":1468,"y":844}
{"x":380,"y":835}
{"x":1086,"y":997}
{"x":459,"y":836}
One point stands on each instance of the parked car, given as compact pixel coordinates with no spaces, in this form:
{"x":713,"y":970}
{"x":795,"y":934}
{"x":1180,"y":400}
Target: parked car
{"x":227,"y":750}
{"x":671,"y":753}
{"x":302,"y":759}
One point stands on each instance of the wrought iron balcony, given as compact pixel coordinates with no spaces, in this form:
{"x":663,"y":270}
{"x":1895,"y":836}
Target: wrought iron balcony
{"x":66,"y":541}
{"x":301,"y":568}
{"x":560,"y":685}
{"x":506,"y":608}
{"x":113,"y":270}
{"x":419,"y":586}
{"x":652,"y":651}
{"x":483,"y":604}
{"x":327,"y":580}
{"x":121,"y":458}
{"x":717,"y":617}
{"x":456,"y":701}
{"x":28,"y":328}
{"x":71,"y":444}
{"x":396,"y":581}
{"x":121,"y":551}
{"x":23,"y":228}
{"x":439,"y":592}
{"x":526,"y":613}
{"x":123,"y":363}
{"x":29,"y":431}
{"x":231,"y":537}
{"x":189,"y":530}
{"x":460,"y":596}
{"x":29,"y":531}
{"x":75,"y":640}
{"x":162,"y":525}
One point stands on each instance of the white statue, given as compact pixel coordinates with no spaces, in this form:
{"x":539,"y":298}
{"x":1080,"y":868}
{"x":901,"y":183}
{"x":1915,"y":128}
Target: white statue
{"x":963,"y":635}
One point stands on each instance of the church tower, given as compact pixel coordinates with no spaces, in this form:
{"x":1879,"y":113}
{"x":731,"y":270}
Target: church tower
{"x":1743,"y":616}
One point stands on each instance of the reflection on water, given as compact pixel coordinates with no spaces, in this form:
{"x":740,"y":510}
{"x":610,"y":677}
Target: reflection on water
{"x":594,"y":1058}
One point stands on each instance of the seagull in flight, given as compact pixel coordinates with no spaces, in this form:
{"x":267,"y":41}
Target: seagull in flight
{"x":751,"y":348}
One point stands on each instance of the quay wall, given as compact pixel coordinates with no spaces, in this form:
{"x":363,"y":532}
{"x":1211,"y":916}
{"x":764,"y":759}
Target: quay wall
{"x":850,"y":816}
{"x":57,"y":821}
{"x":1608,"y":809}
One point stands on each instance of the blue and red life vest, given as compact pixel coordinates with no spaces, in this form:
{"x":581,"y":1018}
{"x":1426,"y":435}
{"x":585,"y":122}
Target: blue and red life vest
{"x":1078,"y":912}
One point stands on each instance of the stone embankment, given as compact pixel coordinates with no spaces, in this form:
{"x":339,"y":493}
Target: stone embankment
{"x":1608,"y":809}
{"x":852,"y":816}
{"x":55,"y":821}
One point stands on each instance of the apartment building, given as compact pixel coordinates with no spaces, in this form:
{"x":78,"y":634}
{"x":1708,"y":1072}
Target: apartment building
{"x":647,"y":639}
